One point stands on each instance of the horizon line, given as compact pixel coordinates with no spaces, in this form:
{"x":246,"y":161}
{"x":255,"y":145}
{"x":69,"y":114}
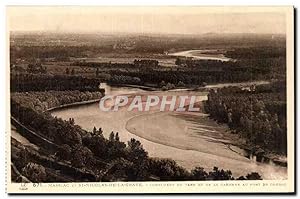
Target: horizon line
{"x":138,"y":33}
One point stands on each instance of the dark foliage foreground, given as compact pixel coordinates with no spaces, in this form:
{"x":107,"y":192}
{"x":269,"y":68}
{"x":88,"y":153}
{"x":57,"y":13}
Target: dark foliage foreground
{"x":106,"y":159}
{"x":258,"y":114}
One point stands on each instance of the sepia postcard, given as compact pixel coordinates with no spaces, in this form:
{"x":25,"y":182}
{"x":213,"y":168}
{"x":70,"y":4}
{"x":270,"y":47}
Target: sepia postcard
{"x":141,"y":100}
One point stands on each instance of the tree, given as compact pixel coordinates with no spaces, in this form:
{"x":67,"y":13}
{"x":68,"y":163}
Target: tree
{"x":82,"y":156}
{"x":30,"y":68}
{"x":170,"y":86}
{"x":67,"y":71}
{"x":112,"y":136}
{"x":71,"y":121}
{"x":217,"y":174}
{"x":199,"y":174}
{"x":162,"y":83}
{"x":135,"y":151}
{"x":120,"y":170}
{"x":64,"y":152}
{"x":98,"y":145}
{"x":100,"y":131}
{"x":178,"y":61}
{"x":34,"y":172}
{"x":253,"y":114}
{"x":94,"y":131}
{"x":67,"y":135}
{"x":253,"y":176}
{"x":167,"y":169}
{"x":23,"y":158}
{"x":43,"y":69}
{"x":241,"y":178}
{"x":180,"y":84}
{"x":117,"y":137}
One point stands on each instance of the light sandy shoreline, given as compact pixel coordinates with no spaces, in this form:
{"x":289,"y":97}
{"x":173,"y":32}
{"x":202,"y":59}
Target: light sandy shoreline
{"x":174,"y":130}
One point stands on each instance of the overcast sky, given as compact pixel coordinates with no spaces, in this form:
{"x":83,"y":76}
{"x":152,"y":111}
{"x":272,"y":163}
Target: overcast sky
{"x":175,"y":20}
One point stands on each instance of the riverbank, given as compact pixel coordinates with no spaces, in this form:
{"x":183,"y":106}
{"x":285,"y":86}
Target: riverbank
{"x":144,"y":87}
{"x":153,"y":87}
{"x":72,"y":105}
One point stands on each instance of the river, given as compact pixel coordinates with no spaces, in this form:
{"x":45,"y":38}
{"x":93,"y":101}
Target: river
{"x":189,"y":138}
{"x":203,"y":54}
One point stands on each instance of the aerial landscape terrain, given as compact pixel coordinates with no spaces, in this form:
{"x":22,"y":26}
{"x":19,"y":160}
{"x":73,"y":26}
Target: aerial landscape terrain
{"x":59,"y":134}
